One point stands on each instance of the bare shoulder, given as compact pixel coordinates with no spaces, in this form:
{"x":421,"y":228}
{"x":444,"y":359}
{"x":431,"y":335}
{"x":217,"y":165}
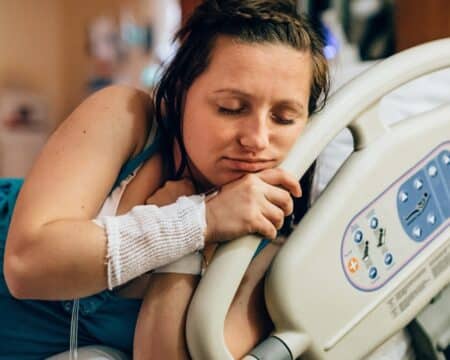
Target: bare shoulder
{"x":81,"y":160}
{"x":118,"y":106}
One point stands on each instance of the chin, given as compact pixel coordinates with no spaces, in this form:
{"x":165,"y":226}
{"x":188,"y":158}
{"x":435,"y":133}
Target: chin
{"x":226,"y":178}
{"x":217,"y":177}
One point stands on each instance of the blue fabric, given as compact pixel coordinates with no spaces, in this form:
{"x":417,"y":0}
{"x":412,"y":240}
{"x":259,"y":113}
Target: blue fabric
{"x":35,"y":329}
{"x":129,"y":167}
{"x":262,"y":244}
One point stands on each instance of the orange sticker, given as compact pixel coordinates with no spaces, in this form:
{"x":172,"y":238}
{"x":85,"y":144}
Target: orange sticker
{"x":353,"y":265}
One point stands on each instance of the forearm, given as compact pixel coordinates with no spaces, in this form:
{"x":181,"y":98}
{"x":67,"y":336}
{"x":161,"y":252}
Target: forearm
{"x":77,"y":252}
{"x":247,"y":321}
{"x":63,"y":259}
{"x":160,"y":330}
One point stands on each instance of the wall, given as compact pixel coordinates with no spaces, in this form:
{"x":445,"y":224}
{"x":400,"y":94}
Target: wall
{"x":76,"y":67}
{"x":43,"y":48}
{"x":31,"y":48}
{"x":187,"y":6}
{"x":419,"y":21}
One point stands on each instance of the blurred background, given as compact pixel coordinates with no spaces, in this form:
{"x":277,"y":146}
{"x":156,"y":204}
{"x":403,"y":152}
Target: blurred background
{"x":54,"y":53}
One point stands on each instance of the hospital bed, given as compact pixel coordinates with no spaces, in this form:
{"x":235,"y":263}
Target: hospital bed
{"x":374,"y":249}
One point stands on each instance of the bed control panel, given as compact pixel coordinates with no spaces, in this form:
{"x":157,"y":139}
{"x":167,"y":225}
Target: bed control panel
{"x":376,"y":245}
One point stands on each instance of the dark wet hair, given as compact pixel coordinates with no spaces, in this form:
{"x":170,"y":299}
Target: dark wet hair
{"x":249,"y":21}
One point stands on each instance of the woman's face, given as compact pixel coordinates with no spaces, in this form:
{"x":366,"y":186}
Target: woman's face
{"x":245,"y":111}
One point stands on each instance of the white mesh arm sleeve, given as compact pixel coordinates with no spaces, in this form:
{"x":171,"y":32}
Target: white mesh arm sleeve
{"x":148,"y":237}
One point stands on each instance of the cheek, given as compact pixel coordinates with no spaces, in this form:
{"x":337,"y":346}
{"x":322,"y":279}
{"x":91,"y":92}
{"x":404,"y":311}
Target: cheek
{"x":287,"y":138}
{"x":204,"y":138}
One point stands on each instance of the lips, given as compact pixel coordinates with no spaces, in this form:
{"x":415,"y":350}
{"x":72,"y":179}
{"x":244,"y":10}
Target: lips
{"x":253,"y":165}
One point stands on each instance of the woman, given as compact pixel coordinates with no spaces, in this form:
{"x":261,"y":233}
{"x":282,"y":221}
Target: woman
{"x":229,"y":107}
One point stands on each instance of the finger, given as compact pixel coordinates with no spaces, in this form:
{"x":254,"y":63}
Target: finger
{"x":274,"y":214}
{"x":281,"y":198}
{"x":279,"y":240}
{"x":266,"y":229}
{"x":281,"y":178}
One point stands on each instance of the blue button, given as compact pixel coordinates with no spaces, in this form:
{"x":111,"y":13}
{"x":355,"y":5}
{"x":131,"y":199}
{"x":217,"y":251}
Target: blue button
{"x":358,"y":236}
{"x":374,"y":223}
{"x":388,"y":258}
{"x":373,"y":272}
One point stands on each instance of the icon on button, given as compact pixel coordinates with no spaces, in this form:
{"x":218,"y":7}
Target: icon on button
{"x":432,"y":171}
{"x":446,"y":159}
{"x":418,"y":184}
{"x":403,"y":196}
{"x":417,"y":231}
{"x":431,"y":219}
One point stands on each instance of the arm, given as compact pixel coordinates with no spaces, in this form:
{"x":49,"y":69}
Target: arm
{"x":53,"y":250}
{"x":161,"y":323}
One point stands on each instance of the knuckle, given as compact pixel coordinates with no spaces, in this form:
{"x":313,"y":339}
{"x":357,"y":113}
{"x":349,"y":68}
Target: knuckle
{"x":252,"y":186}
{"x":280,"y":223}
{"x":267,"y":229}
{"x":289,"y":205}
{"x":279,"y":220}
{"x":272,"y":233}
{"x":249,"y":217}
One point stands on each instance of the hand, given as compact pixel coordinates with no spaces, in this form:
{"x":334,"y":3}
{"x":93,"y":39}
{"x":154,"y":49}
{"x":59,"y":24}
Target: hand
{"x":255,"y":203}
{"x":171,"y":191}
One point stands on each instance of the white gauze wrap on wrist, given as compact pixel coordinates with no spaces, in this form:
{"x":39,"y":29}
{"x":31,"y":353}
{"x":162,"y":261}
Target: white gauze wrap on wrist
{"x":148,"y":237}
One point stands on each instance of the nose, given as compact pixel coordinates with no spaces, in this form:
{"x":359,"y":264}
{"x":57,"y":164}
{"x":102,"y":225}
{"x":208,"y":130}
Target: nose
{"x":254,"y":133}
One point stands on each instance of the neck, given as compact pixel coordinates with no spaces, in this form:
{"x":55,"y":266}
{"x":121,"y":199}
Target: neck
{"x":191,"y":172}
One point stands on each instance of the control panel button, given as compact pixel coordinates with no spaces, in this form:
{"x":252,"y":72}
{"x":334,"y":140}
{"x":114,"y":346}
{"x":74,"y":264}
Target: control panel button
{"x":431,"y":219}
{"x":358,"y":236}
{"x":373,"y":222}
{"x":388,"y":259}
{"x":418,"y":184}
{"x":403,"y":196}
{"x":373,"y":272}
{"x":446,"y":159}
{"x":432,"y":171}
{"x":417,"y":231}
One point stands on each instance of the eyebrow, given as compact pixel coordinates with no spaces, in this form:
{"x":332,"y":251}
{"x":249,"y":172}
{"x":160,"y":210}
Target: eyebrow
{"x":293,"y":104}
{"x":232,"y":91}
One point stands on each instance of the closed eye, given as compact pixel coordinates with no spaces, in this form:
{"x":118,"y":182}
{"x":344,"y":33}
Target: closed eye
{"x":283,"y":120}
{"x":229,"y":111}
